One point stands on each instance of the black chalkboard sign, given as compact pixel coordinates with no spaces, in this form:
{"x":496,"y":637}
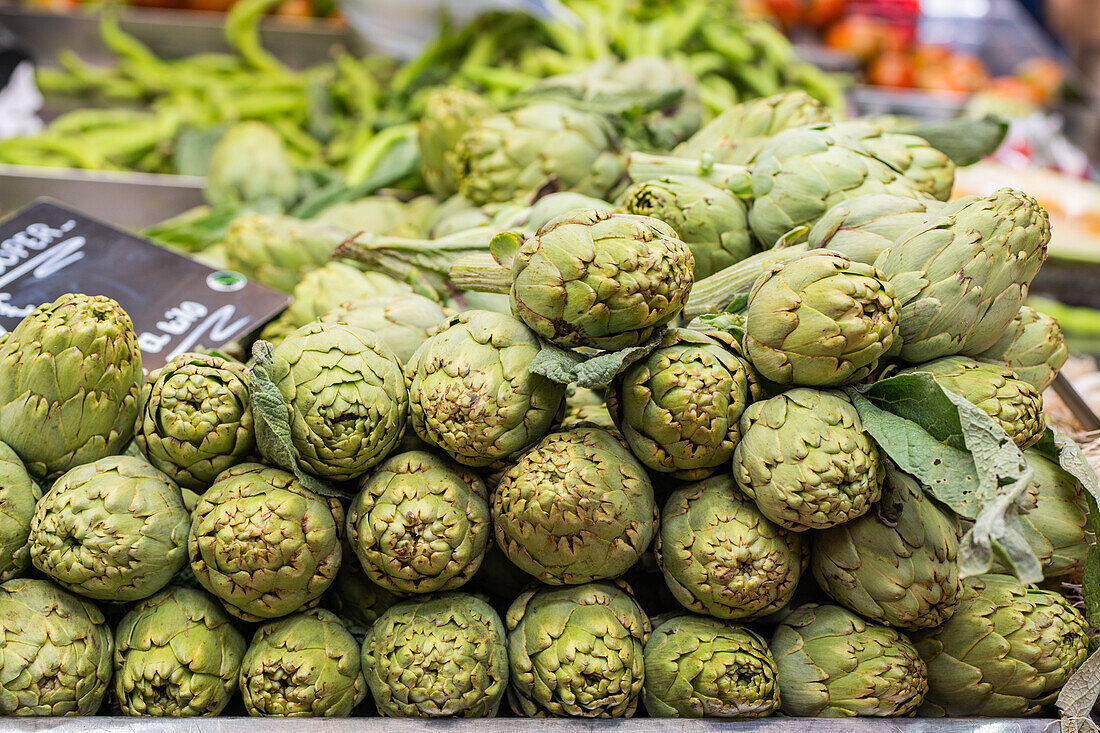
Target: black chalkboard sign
{"x":177,"y":304}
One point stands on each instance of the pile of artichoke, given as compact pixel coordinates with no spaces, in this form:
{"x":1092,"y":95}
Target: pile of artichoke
{"x":764,"y":435}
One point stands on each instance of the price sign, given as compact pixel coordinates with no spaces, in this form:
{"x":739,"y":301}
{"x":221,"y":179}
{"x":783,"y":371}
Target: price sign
{"x":176,"y":304}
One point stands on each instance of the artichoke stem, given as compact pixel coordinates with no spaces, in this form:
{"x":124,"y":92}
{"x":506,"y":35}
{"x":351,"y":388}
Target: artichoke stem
{"x":645,"y":167}
{"x":481,"y":273}
{"x":712,"y":294}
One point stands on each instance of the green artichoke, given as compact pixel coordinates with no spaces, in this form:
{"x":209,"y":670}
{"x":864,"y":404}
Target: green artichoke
{"x":995,"y":390}
{"x":250,"y":165}
{"x":113,"y":530}
{"x":263,"y":544}
{"x":325,"y":288}
{"x":928,"y":167}
{"x":586,"y":406}
{"x":455,"y":215}
{"x":711,"y":221}
{"x":70,"y":376}
{"x":302,"y":666}
{"x":346,"y":395}
{"x":720,"y":556}
{"x":55,"y":651}
{"x":279,"y":250}
{"x":443,"y":657}
{"x":698,"y":667}
{"x":679,"y":408}
{"x":1033,"y":347}
{"x":805,"y":460}
{"x":576,"y":652}
{"x":196,"y":419}
{"x":820,"y":320}
{"x":833,"y":664}
{"x":355,"y":598}
{"x":471,"y":393}
{"x":380,"y":215}
{"x":1005,"y":652}
{"x":403,"y":321}
{"x":540,"y":148}
{"x":420,"y":524}
{"x":864,"y":227}
{"x":176,"y":654}
{"x":448,"y":113}
{"x":18,"y":495}
{"x":575,"y":508}
{"x":962,"y":277}
{"x":897,"y":564}
{"x":592,"y":278}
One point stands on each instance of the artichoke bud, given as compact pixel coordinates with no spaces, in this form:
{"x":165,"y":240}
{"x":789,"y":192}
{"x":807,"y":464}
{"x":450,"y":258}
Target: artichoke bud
{"x":864,"y":227}
{"x":447,"y":114}
{"x":250,"y":165}
{"x":1033,"y":347}
{"x":403,"y":321}
{"x":279,"y":250}
{"x":18,"y":495}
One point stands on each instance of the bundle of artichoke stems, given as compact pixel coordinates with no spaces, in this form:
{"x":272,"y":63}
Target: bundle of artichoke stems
{"x":832,"y":492}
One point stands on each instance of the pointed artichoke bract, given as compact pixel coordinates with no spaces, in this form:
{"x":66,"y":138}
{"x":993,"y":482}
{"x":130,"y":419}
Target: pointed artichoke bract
{"x":420,"y":524}
{"x":599,"y":279}
{"x":55,"y":651}
{"x":864,"y":227}
{"x":347,"y":398}
{"x":444,"y":657}
{"x":711,"y":221}
{"x":921,"y":163}
{"x":279,"y":250}
{"x":403,"y":320}
{"x":113,"y":530}
{"x":196,"y":419}
{"x":833,"y":664}
{"x":576,"y":652}
{"x":176,"y":654}
{"x":897,"y":564}
{"x":720,"y":556}
{"x":471,"y":392}
{"x":541,"y":148}
{"x":996,"y":391}
{"x":680,"y":407}
{"x":304,"y":665}
{"x":805,"y":460}
{"x":1006,"y":651}
{"x":699,"y":667}
{"x":18,"y":495}
{"x":575,"y":508}
{"x":263,"y":544}
{"x":70,"y":376}
{"x":820,"y":320}
{"x":1033,"y":346}
{"x":448,"y":113}
{"x":962,"y":277}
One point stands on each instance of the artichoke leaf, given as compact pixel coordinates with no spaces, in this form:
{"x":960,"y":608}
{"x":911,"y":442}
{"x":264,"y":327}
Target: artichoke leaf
{"x":1079,"y":695}
{"x":566,"y":366}
{"x":965,"y":141}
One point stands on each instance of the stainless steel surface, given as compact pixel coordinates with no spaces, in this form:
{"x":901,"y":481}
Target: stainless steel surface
{"x":133,"y":200}
{"x":171,"y":34}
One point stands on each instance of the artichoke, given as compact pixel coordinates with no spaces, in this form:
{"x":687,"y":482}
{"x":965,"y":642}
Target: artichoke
{"x":833,"y":664}
{"x":471,"y":393}
{"x":575,"y":508}
{"x":346,"y":395}
{"x":263,"y":544}
{"x":250,"y":165}
{"x":720,"y":556}
{"x":176,"y":654}
{"x":584,"y":405}
{"x":18,"y":495}
{"x":711,"y":221}
{"x":113,"y":530}
{"x":444,"y":657}
{"x":680,"y":407}
{"x":70,"y":376}
{"x":1033,"y":347}
{"x":1005,"y":652}
{"x":279,"y":250}
{"x":420,"y":524}
{"x":301,"y":666}
{"x":897,"y":564}
{"x":698,"y":667}
{"x":540,"y":148}
{"x":375,"y":214}
{"x":196,"y":419}
{"x":576,"y":652}
{"x":355,"y":598}
{"x":928,"y":167}
{"x":447,"y":115}
{"x":55,"y":651}
{"x":402,"y":321}
{"x":995,"y":390}
{"x":592,"y":278}
{"x":820,"y":320}
{"x":962,"y":276}
{"x":323,"y":289}
{"x":805,"y":460}
{"x":864,"y":227}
